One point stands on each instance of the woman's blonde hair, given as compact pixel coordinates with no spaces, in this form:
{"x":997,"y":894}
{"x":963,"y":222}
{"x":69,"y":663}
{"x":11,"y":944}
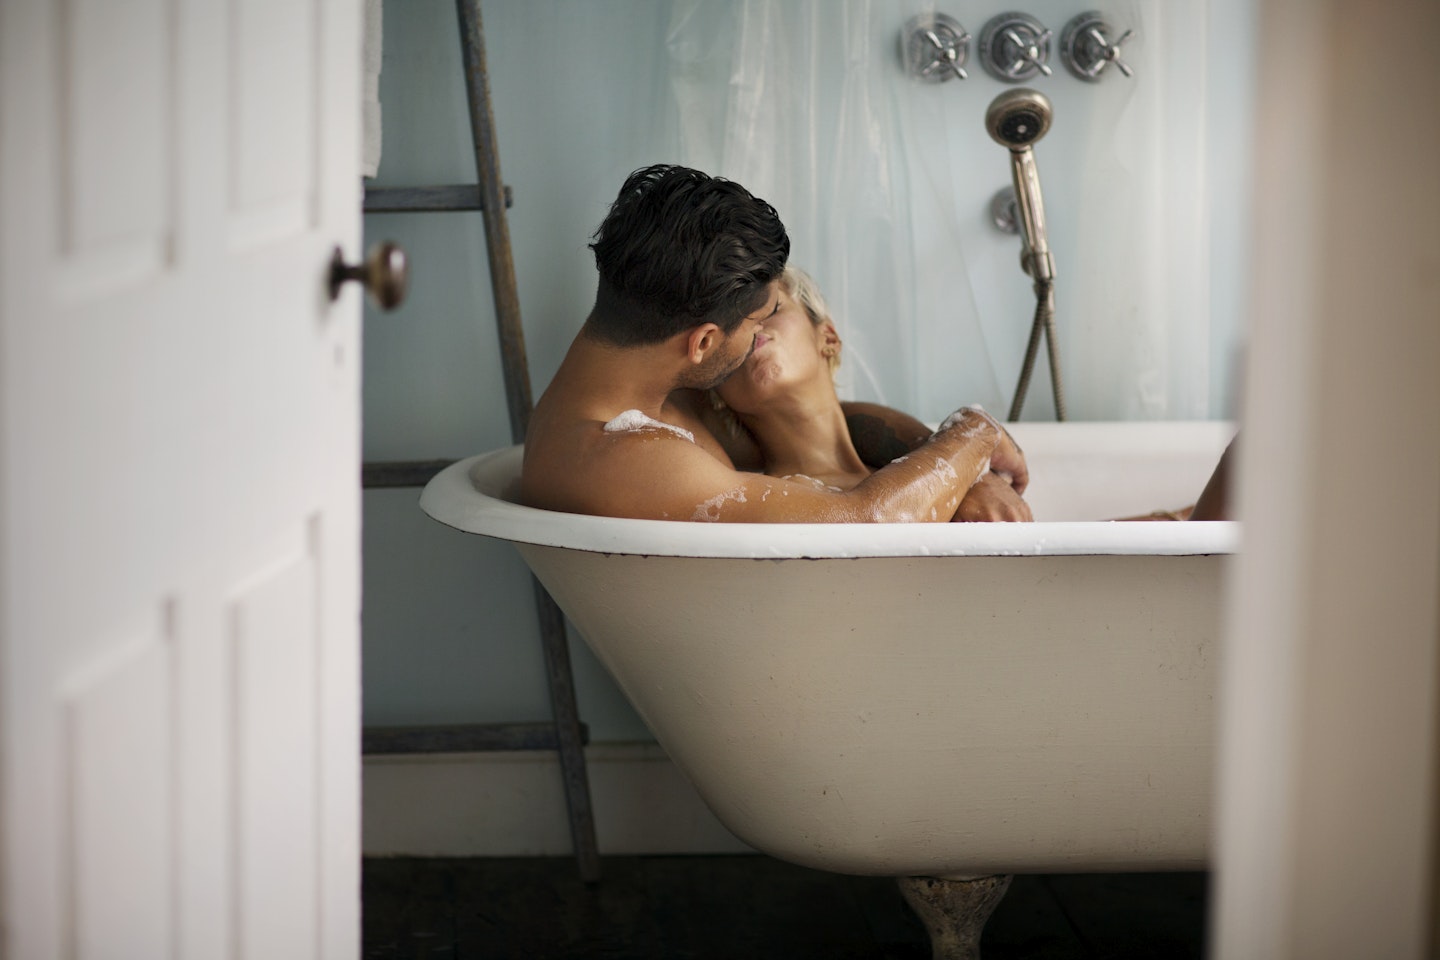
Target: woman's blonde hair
{"x":803,"y":289}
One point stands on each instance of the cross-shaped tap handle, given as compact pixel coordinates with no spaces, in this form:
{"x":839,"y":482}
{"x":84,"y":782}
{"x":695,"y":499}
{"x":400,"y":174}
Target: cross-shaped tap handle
{"x":947,"y":55}
{"x":1028,"y":50}
{"x":1111,"y":51}
{"x":1086,"y":47}
{"x":934,"y":47}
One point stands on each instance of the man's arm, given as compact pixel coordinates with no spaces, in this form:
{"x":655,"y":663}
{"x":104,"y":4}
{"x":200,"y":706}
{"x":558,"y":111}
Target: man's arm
{"x":881,"y":434}
{"x":654,"y":474}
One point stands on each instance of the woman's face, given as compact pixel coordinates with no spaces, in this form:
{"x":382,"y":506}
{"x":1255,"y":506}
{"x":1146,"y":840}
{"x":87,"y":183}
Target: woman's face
{"x":787,"y":356}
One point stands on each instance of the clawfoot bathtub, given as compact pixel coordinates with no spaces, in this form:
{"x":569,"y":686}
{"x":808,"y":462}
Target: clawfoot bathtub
{"x":919,"y":700}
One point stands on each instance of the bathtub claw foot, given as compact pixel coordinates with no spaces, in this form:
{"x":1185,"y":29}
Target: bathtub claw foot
{"x":954,"y":911}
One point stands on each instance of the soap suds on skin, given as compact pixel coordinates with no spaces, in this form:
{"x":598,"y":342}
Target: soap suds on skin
{"x":817,"y":484}
{"x":710,"y":509}
{"x":973,"y":430}
{"x":633,"y":421}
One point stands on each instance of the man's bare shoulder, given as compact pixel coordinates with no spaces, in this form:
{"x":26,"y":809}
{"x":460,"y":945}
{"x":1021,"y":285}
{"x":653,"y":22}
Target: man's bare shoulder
{"x":630,"y":465}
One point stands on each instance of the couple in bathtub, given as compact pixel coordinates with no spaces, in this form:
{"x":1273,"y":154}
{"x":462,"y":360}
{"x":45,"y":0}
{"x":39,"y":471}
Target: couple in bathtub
{"x":705,"y":360}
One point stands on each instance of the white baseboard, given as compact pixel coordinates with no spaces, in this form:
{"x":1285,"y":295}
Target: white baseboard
{"x":513,"y":805}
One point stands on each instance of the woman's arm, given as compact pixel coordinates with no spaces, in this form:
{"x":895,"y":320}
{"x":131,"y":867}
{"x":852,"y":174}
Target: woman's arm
{"x":881,"y":434}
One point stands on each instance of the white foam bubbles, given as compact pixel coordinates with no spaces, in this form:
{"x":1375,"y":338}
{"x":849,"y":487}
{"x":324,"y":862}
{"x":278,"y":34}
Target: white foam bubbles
{"x":633,"y":421}
{"x":709,"y":511}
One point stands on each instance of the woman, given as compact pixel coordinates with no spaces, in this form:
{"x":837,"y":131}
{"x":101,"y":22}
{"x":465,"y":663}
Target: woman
{"x":780,"y":412}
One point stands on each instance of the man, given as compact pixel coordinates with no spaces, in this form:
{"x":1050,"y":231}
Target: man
{"x":688,"y":270}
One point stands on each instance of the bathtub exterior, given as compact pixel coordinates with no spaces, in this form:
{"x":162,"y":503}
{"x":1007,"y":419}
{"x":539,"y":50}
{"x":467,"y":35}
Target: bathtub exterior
{"x":1028,"y":698}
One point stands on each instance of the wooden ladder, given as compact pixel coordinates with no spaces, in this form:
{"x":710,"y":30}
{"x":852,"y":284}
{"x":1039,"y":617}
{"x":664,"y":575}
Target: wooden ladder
{"x":489,"y":196}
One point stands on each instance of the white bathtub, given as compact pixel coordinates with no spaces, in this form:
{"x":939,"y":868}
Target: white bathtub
{"x":919,"y":699}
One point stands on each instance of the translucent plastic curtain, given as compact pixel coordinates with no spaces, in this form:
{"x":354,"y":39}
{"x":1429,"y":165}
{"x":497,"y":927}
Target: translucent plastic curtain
{"x":884,"y":183}
{"x":796,"y":100}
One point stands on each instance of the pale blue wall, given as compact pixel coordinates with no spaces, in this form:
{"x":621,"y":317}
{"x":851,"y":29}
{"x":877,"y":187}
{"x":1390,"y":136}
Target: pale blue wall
{"x":449,"y":621}
{"x":449,"y":626}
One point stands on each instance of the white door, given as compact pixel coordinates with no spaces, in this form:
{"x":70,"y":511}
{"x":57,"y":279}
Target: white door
{"x":179,"y":451}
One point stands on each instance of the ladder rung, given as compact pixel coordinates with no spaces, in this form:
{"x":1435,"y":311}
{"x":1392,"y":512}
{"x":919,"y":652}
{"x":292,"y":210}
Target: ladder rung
{"x":400,"y":473}
{"x":464,"y":738}
{"x":448,"y":199}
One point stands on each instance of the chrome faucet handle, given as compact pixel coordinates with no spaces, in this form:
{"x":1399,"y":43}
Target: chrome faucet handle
{"x":1015,"y":47}
{"x":934,"y":47}
{"x":948,"y":55}
{"x":1028,"y":50}
{"x":1086,"y":48}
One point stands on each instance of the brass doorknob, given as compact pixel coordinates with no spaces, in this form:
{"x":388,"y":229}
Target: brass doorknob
{"x":385,"y":274}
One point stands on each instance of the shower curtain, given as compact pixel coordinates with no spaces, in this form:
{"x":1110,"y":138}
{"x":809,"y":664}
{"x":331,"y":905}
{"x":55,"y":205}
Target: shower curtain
{"x":884,"y":183}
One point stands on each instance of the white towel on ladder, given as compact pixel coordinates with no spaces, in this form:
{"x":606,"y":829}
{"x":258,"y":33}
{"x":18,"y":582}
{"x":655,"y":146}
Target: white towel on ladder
{"x":370,"y":89}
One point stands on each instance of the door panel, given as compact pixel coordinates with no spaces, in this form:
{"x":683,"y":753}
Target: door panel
{"x":118,"y":719}
{"x":272,"y":120}
{"x":116,"y":213}
{"x":274,"y":650}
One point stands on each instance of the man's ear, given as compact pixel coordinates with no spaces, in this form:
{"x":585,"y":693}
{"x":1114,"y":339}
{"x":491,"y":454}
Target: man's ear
{"x":701,"y":340}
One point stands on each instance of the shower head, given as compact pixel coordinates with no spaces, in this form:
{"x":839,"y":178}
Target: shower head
{"x":1017,"y":118}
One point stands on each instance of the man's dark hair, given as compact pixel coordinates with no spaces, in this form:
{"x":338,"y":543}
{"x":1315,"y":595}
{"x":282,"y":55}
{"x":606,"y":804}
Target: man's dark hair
{"x":680,"y":248}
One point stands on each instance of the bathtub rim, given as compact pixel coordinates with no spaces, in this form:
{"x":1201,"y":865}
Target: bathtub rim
{"x":467,"y":496}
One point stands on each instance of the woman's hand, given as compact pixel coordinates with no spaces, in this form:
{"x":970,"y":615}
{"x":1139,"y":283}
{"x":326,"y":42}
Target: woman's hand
{"x":993,"y":500}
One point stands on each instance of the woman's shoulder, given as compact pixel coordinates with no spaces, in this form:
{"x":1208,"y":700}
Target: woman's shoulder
{"x":881,"y":433}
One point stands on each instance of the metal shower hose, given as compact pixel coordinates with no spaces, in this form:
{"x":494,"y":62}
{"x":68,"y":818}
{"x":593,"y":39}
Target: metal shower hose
{"x":1044,"y":322}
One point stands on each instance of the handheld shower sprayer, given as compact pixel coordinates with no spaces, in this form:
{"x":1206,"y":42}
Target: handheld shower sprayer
{"x":1016,"y":120}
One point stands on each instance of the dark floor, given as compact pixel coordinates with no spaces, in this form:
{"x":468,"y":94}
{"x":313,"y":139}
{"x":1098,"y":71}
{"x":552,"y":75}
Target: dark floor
{"x":751,"y":907}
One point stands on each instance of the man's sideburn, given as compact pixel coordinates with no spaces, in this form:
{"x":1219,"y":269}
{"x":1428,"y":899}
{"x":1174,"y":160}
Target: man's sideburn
{"x":706,"y":374}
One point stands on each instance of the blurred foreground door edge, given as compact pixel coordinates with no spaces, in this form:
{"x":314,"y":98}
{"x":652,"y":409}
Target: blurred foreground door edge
{"x":179,"y":486}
